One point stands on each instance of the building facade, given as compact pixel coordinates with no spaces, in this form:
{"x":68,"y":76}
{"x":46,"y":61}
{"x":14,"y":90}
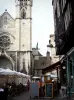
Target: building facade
{"x":52,"y":48}
{"x":63,"y":24}
{"x":16,"y":37}
{"x":39,"y":61}
{"x":64,"y":37}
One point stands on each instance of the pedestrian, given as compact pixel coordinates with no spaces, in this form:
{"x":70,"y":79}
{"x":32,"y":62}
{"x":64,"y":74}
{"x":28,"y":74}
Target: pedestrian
{"x":28,"y":85}
{"x":42,"y":90}
{"x":59,"y":85}
{"x":39,"y":84}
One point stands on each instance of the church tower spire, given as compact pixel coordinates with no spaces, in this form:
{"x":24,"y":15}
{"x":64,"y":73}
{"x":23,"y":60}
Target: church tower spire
{"x":37,"y":46}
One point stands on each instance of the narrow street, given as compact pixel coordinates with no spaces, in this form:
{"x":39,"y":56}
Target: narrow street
{"x":37,"y":49}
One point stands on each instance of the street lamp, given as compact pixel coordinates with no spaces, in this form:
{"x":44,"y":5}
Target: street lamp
{"x":71,"y":77}
{"x":64,"y":67}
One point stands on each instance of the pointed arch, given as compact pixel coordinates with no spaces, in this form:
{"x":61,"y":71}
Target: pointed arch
{"x":8,"y":60}
{"x":23,"y":14}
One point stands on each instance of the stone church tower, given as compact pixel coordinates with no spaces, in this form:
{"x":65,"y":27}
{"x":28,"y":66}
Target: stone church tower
{"x":23,"y":31}
{"x":19,"y":33}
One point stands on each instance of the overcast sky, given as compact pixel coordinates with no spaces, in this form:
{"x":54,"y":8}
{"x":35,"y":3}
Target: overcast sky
{"x":42,"y":23}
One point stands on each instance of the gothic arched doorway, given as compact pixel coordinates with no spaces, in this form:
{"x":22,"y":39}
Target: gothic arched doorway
{"x":5,"y":63}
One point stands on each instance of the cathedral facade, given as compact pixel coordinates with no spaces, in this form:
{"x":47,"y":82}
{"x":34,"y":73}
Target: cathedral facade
{"x":16,"y":38}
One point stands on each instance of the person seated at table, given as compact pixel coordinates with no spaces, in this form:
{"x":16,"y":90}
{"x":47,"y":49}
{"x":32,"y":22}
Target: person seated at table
{"x":5,"y":91}
{"x":1,"y":92}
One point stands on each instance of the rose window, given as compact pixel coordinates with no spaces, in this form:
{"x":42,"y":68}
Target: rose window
{"x":4,"y":42}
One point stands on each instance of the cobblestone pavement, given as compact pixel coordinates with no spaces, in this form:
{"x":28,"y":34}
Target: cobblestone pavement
{"x":23,"y":96}
{"x":26,"y":96}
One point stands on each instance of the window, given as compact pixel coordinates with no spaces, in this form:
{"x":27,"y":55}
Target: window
{"x":5,"y":20}
{"x":23,"y":14}
{"x":37,"y":72}
{"x":23,"y":62}
{"x":4,"y":41}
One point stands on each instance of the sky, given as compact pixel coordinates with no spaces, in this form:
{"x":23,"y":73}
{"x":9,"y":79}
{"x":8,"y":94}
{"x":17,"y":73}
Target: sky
{"x":42,"y":21}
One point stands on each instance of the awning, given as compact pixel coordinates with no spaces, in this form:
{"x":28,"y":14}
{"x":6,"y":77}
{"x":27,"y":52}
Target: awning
{"x":51,"y":67}
{"x":35,"y":77}
{"x":9,"y":72}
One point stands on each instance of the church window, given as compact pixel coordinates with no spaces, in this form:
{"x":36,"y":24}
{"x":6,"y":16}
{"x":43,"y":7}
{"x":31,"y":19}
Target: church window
{"x":23,"y":62}
{"x":5,"y":41}
{"x":23,"y":14}
{"x":37,"y":72}
{"x":5,"y":20}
